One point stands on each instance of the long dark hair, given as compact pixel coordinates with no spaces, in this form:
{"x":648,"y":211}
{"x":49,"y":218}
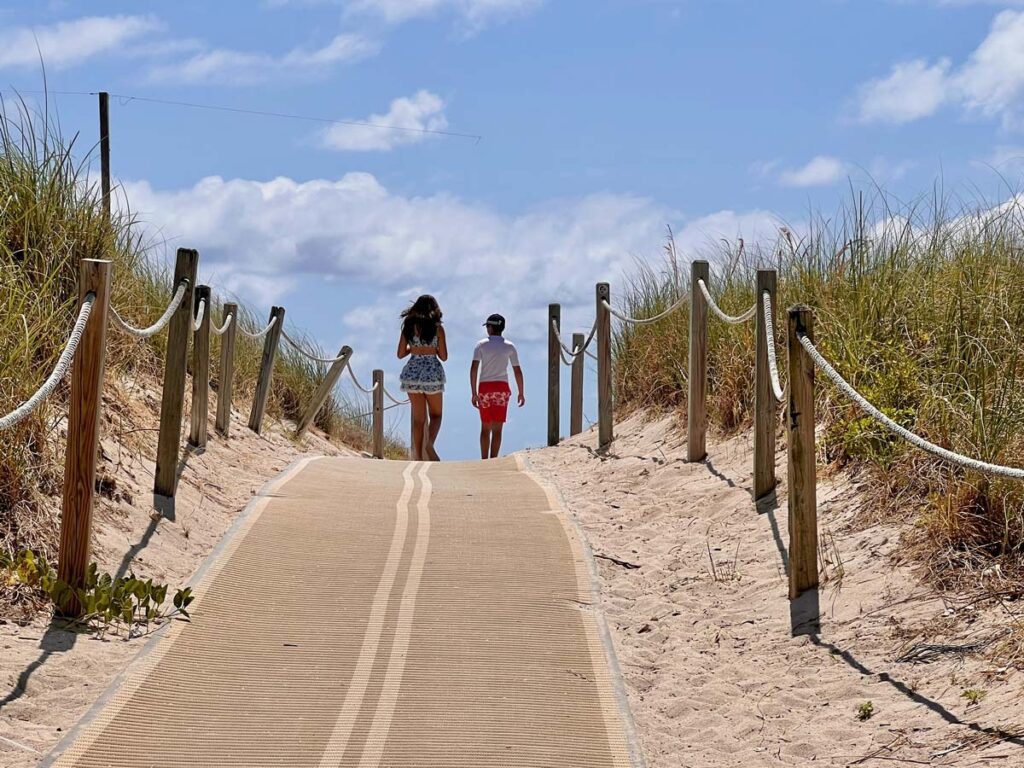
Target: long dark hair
{"x":421,"y":319}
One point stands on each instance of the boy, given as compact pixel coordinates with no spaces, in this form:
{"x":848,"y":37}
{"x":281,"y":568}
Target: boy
{"x":488,"y":381}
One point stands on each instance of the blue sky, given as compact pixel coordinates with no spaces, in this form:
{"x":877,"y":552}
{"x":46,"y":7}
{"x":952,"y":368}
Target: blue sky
{"x":601,"y":123}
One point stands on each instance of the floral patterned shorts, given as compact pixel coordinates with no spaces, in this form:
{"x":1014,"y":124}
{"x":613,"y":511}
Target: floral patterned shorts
{"x":493,"y":398}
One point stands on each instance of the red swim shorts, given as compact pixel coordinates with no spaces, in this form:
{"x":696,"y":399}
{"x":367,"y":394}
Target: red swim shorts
{"x":493,"y":397}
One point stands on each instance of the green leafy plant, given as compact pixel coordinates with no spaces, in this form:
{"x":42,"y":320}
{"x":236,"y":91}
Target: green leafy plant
{"x":865,"y":710}
{"x":973,"y":696}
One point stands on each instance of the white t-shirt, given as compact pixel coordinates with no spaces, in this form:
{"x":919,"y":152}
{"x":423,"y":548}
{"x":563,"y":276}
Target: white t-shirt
{"x":494,"y":354}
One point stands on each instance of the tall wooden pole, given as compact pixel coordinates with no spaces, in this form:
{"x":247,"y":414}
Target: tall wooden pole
{"x":105,"y":150}
{"x":696,"y":404}
{"x":378,"y":414}
{"x":172,"y":404}
{"x":554,"y":372}
{"x":324,"y":390}
{"x":201,"y":369}
{"x":605,"y":433}
{"x":227,"y":370}
{"x":576,"y":386}
{"x":803,"y":502}
{"x":83,"y":433}
{"x":266,"y":377}
{"x":765,"y":406}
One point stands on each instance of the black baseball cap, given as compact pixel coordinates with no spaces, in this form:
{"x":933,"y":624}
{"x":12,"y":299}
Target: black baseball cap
{"x":496,"y":321}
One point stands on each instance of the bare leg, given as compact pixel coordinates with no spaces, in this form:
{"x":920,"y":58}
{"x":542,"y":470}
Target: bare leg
{"x":418,"y":404}
{"x":485,"y":441}
{"x":496,"y":439}
{"x":435,"y":404}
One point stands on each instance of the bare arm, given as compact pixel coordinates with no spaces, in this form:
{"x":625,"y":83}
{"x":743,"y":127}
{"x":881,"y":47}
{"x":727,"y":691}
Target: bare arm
{"x":518,"y":373}
{"x":442,"y":345}
{"x":403,"y":347}
{"x":474,"y":369}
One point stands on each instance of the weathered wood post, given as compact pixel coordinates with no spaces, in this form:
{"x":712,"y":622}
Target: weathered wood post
{"x":378,"y":414}
{"x":105,"y":151}
{"x":764,"y":397}
{"x":696,"y":406}
{"x":554,"y":372}
{"x":227,"y":370}
{"x":266,"y":378}
{"x":605,"y":434}
{"x":576,"y":386}
{"x":83,"y":432}
{"x":201,"y":368}
{"x":803,"y":503}
{"x":324,"y":390}
{"x":173,"y":401}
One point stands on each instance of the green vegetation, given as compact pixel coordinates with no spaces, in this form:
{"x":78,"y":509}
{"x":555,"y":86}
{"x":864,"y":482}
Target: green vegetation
{"x":51,"y":217}
{"x":921,"y":308}
{"x":973,"y":696}
{"x":865,"y":710}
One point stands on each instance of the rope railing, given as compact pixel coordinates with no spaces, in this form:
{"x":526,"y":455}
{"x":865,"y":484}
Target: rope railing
{"x":567,"y":354}
{"x":200,"y":313}
{"x":360,"y":387}
{"x":262,"y":333}
{"x":159,"y":325}
{"x":773,"y":365}
{"x":644,"y":320}
{"x":394,"y":400}
{"x":298,"y":348}
{"x":24,"y":410}
{"x":847,"y":389}
{"x":227,"y":324}
{"x":731,"y":319}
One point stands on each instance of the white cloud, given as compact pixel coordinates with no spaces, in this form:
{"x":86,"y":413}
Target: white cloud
{"x":911,"y":90}
{"x":68,"y":43}
{"x":230,"y":67}
{"x":818,"y":171}
{"x":473,"y":13}
{"x":408,"y":119}
{"x":989,"y":83}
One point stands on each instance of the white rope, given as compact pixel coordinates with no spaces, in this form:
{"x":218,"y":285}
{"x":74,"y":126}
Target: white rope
{"x":20,"y":413}
{"x":199,"y":315}
{"x":155,"y":328}
{"x":227,"y":323}
{"x":742,"y":318}
{"x":359,"y":386}
{"x":644,"y":320}
{"x":568,"y":355}
{"x":394,"y":400}
{"x":303,"y":352}
{"x":260,"y":334}
{"x":846,"y":388}
{"x":773,"y":365}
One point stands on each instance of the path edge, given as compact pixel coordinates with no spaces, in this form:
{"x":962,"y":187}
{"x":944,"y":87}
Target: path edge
{"x":554,"y":494}
{"x":197,"y":580}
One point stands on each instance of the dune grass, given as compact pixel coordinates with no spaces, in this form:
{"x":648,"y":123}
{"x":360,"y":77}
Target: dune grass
{"x":51,"y":217}
{"x":921,"y":308}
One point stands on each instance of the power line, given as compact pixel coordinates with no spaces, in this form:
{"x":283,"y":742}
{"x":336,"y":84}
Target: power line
{"x":127,"y":99}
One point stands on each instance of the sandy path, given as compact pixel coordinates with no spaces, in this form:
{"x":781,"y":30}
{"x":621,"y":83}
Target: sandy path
{"x":713,"y":674}
{"x":48,"y":676}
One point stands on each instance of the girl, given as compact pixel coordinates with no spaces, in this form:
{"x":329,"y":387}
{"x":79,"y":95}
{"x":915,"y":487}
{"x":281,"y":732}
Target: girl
{"x":422,"y":340}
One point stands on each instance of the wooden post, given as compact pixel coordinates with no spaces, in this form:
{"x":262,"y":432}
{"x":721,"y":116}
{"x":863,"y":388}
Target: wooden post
{"x":764,"y":398}
{"x":105,"y":150}
{"x":554,"y":372}
{"x":605,"y":433}
{"x":266,"y":378}
{"x":576,"y":386}
{"x":227,"y":370}
{"x":324,"y":390}
{"x":378,"y":414}
{"x":83,"y":433}
{"x":201,"y":369}
{"x":696,"y":404}
{"x":803,"y":503}
{"x":173,"y":402}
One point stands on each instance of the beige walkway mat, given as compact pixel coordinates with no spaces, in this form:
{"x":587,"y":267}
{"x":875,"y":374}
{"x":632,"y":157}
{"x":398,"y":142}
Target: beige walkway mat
{"x":369,"y":613}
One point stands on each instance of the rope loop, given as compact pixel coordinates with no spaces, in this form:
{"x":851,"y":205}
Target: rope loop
{"x":198,"y":321}
{"x":260,"y":334}
{"x":227,"y":323}
{"x":159,"y":325}
{"x":732,"y":319}
{"x":360,"y":387}
{"x":773,"y":365}
{"x":569,"y":355}
{"x":23,"y":411}
{"x":644,"y":320}
{"x":298,"y":348}
{"x":847,"y":389}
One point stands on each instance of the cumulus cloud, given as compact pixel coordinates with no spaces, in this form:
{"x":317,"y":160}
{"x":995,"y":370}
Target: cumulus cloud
{"x":223,"y":66}
{"x":68,"y":43}
{"x":473,"y":13}
{"x":407,"y":122}
{"x":819,"y":171}
{"x":990,"y":82}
